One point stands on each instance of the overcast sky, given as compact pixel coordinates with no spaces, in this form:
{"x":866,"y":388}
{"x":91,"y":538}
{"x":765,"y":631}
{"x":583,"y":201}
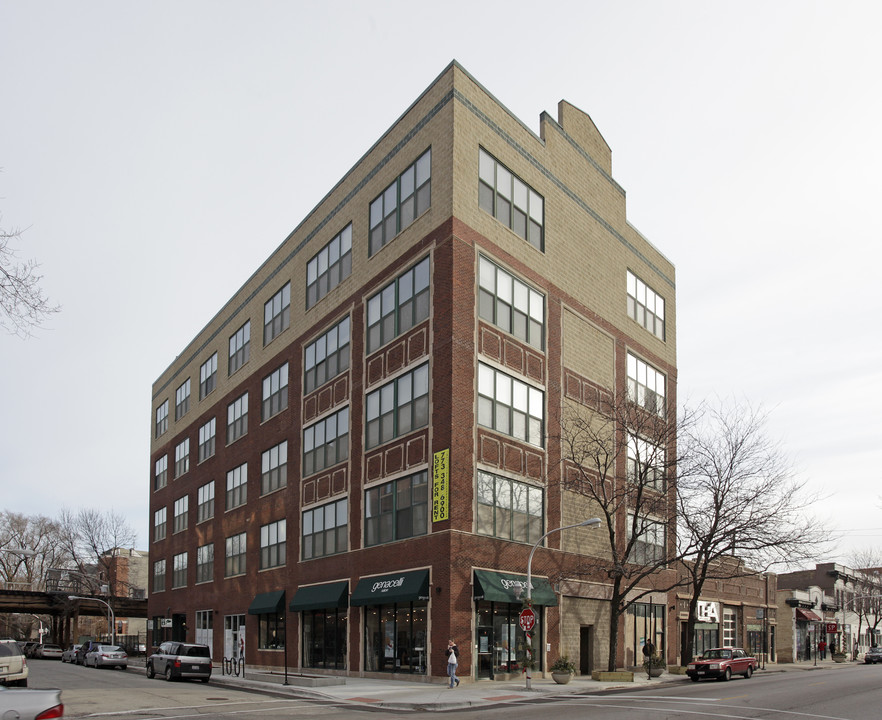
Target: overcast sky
{"x":157,"y":152}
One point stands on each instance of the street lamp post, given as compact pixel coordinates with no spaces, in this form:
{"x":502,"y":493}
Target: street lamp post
{"x":110,"y":609}
{"x":591,"y":522}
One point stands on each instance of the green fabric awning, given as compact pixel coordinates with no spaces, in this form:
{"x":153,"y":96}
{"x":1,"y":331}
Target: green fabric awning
{"x":394,"y":588}
{"x":267,"y":603}
{"x":509,"y":588}
{"x":318,"y":597}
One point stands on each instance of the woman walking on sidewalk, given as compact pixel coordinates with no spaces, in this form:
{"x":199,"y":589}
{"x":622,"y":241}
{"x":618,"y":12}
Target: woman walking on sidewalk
{"x":452,"y":662}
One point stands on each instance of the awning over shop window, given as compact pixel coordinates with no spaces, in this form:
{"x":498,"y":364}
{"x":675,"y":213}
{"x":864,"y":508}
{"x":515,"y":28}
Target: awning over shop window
{"x":807,"y":615}
{"x":319,"y":597}
{"x":267,"y":603}
{"x":395,"y":588}
{"x":505,"y":587}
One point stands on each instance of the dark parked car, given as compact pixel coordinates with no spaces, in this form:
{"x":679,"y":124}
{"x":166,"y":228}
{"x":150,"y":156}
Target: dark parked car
{"x":721,"y":664}
{"x":180,"y":661}
{"x":873,"y":656}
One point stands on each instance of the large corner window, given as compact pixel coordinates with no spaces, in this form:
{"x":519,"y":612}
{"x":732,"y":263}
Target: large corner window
{"x":511,"y":304}
{"x":649,"y":548}
{"x":510,"y":406}
{"x":326,"y":442}
{"x":327,"y":356}
{"x":397,"y":510}
{"x":408,"y":197}
{"x":398,"y":407}
{"x":325,"y":529}
{"x":509,"y":509}
{"x":646,"y":463}
{"x":329,"y":267}
{"x":510,"y":200}
{"x":646,"y":306}
{"x":646,"y":385}
{"x":399,"y":306}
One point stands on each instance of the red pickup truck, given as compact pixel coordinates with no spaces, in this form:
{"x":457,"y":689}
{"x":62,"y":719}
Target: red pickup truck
{"x":721,"y":664}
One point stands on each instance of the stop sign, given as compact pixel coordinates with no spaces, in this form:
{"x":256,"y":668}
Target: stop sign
{"x":527,"y":619}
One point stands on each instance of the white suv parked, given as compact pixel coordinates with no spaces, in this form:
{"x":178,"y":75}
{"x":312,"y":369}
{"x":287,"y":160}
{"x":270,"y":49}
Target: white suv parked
{"x":13,"y":666}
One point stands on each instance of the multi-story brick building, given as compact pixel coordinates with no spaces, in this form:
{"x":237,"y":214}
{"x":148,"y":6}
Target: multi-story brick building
{"x":351,"y":462}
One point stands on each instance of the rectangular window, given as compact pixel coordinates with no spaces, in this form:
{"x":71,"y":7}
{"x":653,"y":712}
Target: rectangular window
{"x":277,"y":314}
{"x":646,"y":463}
{"x":326,"y":442}
{"x":240,"y":348}
{"x":160,"y":473}
{"x":182,"y":506}
{"x":208,"y":376}
{"x":272,"y":544}
{"x":205,"y":502}
{"x":204,"y":563}
{"x":398,"y":407}
{"x":646,"y":306}
{"x":646,"y":385}
{"x":271,"y":631}
{"x":397,"y":510}
{"x":234,"y":558}
{"x":510,"y":304}
{"x":408,"y":197}
{"x":329,"y":267}
{"x":162,"y":418}
{"x":182,"y":400}
{"x":204,"y":625}
{"x":510,"y":200}
{"x":510,"y":406}
{"x":326,"y":357}
{"x":274,"y":468}
{"x":730,"y":627}
{"x":275,"y":392}
{"x":325,"y":529}
{"x":179,"y":572}
{"x":159,"y":576}
{"x":182,"y":457}
{"x":237,"y":486}
{"x":237,"y":418}
{"x":509,"y":509}
{"x":159,"y":523}
{"x":649,"y":548}
{"x":206,"y":439}
{"x":399,"y":306}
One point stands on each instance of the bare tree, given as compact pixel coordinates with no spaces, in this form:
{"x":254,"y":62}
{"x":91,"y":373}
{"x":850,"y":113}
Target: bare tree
{"x":738,"y":497}
{"x":621,"y":456}
{"x":36,"y":533}
{"x":867,"y":600}
{"x":91,"y":539}
{"x":23,"y":304}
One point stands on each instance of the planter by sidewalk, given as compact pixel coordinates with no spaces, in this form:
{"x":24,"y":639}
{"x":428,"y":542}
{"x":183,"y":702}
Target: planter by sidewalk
{"x":562,"y":670}
{"x":561,"y":678}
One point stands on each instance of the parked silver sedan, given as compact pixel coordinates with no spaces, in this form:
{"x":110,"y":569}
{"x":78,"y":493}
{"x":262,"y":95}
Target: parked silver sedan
{"x":29,"y":704}
{"x":107,"y":656}
{"x":49,"y":652}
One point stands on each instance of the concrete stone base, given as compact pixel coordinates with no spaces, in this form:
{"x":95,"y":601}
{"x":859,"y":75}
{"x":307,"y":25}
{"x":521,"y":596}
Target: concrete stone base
{"x":677,"y":669}
{"x":618,"y":676}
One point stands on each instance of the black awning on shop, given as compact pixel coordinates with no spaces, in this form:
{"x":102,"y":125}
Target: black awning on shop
{"x":319,"y":597}
{"x":509,"y":588}
{"x":267,"y":603}
{"x":394,"y":588}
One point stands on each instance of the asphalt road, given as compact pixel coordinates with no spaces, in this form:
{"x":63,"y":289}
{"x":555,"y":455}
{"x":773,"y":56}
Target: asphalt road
{"x":851,"y":693}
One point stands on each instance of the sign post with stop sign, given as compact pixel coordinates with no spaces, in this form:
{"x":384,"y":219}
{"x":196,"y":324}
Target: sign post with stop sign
{"x":527,"y":619}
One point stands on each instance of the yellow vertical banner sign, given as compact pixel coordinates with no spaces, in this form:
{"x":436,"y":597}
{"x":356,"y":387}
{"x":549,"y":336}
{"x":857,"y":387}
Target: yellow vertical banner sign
{"x":441,"y":485}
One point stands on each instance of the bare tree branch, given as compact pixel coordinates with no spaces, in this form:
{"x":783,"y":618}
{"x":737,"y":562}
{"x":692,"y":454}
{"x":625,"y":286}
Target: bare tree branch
{"x":23,"y":304}
{"x":738,"y":497}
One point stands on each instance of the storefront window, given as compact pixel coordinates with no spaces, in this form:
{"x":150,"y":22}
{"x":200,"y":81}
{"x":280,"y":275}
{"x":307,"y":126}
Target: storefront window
{"x":395,"y":637}
{"x":324,"y":639}
{"x":271,"y":631}
{"x":649,"y":627}
{"x":500,"y":641}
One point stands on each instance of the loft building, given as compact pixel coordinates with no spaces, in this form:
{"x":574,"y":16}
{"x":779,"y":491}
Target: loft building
{"x":352,"y":461}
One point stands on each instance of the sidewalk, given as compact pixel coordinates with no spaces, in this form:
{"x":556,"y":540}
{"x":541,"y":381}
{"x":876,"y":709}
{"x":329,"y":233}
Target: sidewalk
{"x":435,"y":696}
